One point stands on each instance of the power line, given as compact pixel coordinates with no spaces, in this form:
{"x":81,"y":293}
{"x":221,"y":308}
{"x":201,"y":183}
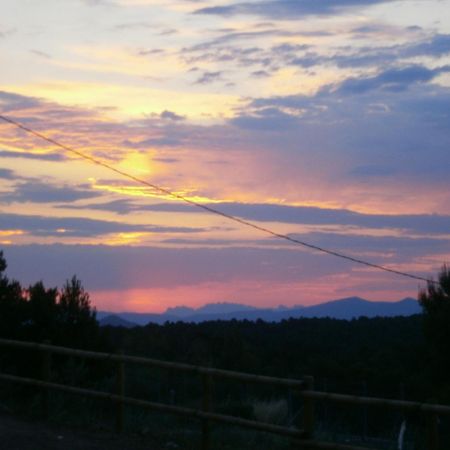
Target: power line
{"x":209,"y":209}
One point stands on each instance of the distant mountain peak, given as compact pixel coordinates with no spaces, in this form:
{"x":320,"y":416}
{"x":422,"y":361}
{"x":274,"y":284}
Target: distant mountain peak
{"x":354,"y":299}
{"x":345,"y":308}
{"x":209,"y":308}
{"x":223,"y":307}
{"x":114,"y":320}
{"x":180,"y":311}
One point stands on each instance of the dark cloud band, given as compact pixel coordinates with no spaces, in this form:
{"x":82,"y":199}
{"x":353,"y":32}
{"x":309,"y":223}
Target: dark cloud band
{"x":288,"y":9}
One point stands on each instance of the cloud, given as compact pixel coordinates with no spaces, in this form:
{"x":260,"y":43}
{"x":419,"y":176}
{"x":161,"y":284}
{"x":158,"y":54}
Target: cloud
{"x":396,"y":249}
{"x":80,"y":227}
{"x":368,"y":56}
{"x":437,"y":46}
{"x":125,"y":267}
{"x":434,"y":47}
{"x":327,"y":136}
{"x":265,"y":119}
{"x":153,"y":267}
{"x":305,"y":215}
{"x":121,"y":206}
{"x":245,"y":48}
{"x":168,"y":32}
{"x":36,"y":156}
{"x":153,"y":51}
{"x":367,"y":119}
{"x":99,"y":2}
{"x":134,"y":25}
{"x":5,"y":32}
{"x":380,"y":87}
{"x":228,"y":36}
{"x":170,"y":115}
{"x":7,"y":174}
{"x":35,"y":110}
{"x":260,"y":74}
{"x":166,"y":160}
{"x":209,"y":77}
{"x":243,"y":57}
{"x":288,"y":9}
{"x":393,"y":80}
{"x":41,"y":54}
{"x":10,"y":101}
{"x":39,"y":192}
{"x":87,"y":130}
{"x":390,"y":249}
{"x":163,"y":141}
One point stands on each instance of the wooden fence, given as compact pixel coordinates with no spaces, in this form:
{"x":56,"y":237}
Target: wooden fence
{"x":302,"y":438}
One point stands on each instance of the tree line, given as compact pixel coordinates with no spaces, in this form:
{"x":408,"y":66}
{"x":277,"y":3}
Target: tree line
{"x":63,"y":316}
{"x":383,"y":353}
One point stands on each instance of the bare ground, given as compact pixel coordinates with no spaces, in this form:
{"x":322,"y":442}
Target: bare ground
{"x":23,"y":434}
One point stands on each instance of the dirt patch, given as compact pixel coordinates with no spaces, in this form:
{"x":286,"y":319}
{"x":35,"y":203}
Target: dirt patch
{"x":22,"y":434}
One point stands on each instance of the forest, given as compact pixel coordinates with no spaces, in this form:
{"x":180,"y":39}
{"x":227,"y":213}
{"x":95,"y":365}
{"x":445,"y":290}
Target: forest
{"x":400,"y":357}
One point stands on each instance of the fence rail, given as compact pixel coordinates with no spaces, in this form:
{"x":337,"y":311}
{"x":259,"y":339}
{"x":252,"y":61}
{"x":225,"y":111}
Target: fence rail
{"x":114,"y":357}
{"x":301,"y":438}
{"x":378,"y":402}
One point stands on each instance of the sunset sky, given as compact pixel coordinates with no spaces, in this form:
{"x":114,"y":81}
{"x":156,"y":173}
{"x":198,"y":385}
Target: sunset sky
{"x":326,"y":120}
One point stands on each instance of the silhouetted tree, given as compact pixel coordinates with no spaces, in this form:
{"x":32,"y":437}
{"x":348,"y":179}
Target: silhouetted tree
{"x":435,"y":302}
{"x":12,"y":307}
{"x":43,"y":312}
{"x":76,"y":315}
{"x":2,"y":264}
{"x":64,"y":317}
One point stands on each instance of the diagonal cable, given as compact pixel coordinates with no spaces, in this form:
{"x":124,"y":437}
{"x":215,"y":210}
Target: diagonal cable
{"x":212,"y":210}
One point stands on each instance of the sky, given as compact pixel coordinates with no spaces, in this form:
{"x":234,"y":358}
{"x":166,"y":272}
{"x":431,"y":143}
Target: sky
{"x":327,"y":121}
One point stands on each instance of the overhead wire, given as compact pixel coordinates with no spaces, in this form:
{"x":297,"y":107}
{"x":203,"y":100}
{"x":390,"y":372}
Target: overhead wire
{"x":209,"y":209}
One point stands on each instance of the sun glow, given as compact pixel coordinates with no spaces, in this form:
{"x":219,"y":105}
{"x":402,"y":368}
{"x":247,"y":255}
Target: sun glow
{"x":6,"y":233}
{"x":124,"y":102}
{"x":128,"y":238}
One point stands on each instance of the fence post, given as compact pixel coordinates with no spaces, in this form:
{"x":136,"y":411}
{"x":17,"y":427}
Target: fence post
{"x":308,"y":409}
{"x":45,"y":375}
{"x":432,"y":432}
{"x":364,"y":415}
{"x":207,"y":394}
{"x":120,"y":391}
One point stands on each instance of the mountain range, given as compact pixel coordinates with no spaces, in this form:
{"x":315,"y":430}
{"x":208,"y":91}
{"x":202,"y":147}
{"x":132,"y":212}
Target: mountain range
{"x":345,"y":308}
